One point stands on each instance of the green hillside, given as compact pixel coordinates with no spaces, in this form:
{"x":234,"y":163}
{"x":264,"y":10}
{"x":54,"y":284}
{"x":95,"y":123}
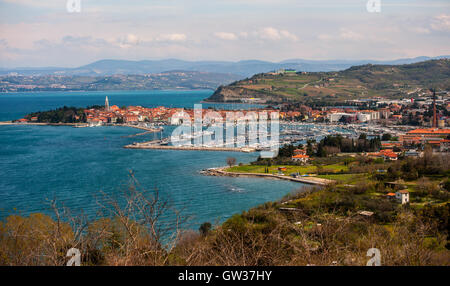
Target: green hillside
{"x":390,"y":81}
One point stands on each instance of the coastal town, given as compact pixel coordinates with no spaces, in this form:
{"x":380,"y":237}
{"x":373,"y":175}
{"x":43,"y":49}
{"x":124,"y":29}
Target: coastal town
{"x":225,"y":141}
{"x":415,"y":122}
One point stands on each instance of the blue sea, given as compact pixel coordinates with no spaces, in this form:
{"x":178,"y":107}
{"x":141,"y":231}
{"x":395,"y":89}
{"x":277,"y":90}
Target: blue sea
{"x":73,"y":165}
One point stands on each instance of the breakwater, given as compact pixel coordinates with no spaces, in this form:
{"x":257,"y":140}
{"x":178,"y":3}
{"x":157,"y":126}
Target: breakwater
{"x":306,"y":180}
{"x":187,"y":148}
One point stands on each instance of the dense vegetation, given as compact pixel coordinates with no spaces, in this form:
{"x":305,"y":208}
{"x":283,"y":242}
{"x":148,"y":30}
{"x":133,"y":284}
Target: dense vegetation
{"x":330,"y":145}
{"x":61,"y":115}
{"x":335,"y":144}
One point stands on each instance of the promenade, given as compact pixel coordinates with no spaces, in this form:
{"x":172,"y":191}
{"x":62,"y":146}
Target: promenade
{"x":306,"y":180}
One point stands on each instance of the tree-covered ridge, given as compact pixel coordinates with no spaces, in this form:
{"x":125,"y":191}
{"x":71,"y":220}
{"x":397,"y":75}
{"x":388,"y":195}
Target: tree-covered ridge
{"x":61,"y":115}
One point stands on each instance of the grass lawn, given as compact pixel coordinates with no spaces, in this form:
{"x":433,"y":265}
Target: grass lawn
{"x":344,"y":178}
{"x":308,"y":169}
{"x":272,"y":169}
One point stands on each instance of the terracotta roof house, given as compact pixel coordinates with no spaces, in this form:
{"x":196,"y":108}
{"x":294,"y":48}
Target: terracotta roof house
{"x":300,"y":158}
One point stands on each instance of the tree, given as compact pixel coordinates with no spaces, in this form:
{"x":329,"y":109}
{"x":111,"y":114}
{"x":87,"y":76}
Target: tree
{"x":386,"y":137}
{"x":446,"y":185}
{"x":321,"y":151}
{"x":231,"y":161}
{"x":286,"y":151}
{"x":205,"y":228}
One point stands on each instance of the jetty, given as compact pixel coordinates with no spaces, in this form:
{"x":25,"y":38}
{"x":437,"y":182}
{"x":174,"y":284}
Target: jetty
{"x":148,"y":129}
{"x":149,"y":145}
{"x":305,"y":180}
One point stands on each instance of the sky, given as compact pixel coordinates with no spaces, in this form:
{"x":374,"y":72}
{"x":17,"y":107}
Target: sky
{"x":45,"y":33}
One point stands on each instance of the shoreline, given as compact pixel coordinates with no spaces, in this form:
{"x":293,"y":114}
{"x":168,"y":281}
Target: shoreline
{"x":40,"y":123}
{"x":305,"y":180}
{"x":106,"y":90}
{"x":80,"y":125}
{"x":225,"y":102}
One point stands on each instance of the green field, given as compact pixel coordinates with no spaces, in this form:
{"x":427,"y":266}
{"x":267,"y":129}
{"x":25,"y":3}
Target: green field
{"x":344,"y":178}
{"x":308,"y":169}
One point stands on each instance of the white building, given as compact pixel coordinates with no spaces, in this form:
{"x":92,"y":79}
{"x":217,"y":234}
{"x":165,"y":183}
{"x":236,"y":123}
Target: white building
{"x":364,"y":117}
{"x":368,"y":116}
{"x":180,"y":118}
{"x":335,"y":117}
{"x":402,"y":196}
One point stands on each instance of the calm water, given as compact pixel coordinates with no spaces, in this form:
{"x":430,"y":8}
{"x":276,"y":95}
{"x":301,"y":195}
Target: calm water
{"x":17,"y":105}
{"x":74,"y":164}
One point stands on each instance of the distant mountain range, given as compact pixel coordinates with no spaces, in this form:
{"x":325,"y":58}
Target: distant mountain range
{"x":188,"y":80}
{"x":241,"y":68}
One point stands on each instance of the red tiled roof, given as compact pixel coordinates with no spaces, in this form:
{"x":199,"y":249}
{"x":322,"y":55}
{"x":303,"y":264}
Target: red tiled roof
{"x":299,"y":156}
{"x":429,"y":131}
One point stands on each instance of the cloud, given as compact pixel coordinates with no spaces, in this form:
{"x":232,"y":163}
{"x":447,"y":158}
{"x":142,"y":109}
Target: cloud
{"x":421,"y":30}
{"x":324,"y":37}
{"x":172,"y":38}
{"x":343,"y":34}
{"x":243,"y":35}
{"x":273,"y":34}
{"x":348,"y":34}
{"x":226,"y":36}
{"x":34,"y":3}
{"x":287,"y":35}
{"x":441,"y":23}
{"x":132,"y":40}
{"x":129,"y":41}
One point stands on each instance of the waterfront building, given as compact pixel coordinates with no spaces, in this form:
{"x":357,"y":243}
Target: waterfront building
{"x":131,"y":118}
{"x":335,"y":117}
{"x":364,"y":117}
{"x":300,"y":158}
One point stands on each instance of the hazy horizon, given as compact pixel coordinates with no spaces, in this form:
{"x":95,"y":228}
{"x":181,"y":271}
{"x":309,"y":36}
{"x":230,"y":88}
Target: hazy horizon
{"x":224,"y":61}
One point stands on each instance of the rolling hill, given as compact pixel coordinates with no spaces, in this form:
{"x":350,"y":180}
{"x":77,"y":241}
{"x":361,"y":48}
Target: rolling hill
{"x":167,"y":80}
{"x":364,"y":81}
